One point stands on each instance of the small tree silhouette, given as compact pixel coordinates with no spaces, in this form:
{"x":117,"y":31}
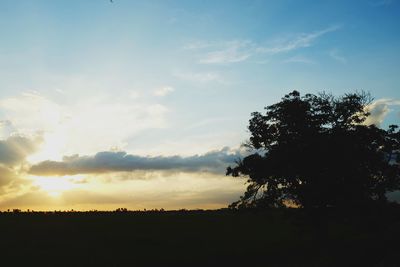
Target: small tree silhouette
{"x":315,"y":151}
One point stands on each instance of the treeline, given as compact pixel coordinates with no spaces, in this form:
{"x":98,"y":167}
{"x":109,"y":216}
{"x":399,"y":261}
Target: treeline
{"x":118,"y":210}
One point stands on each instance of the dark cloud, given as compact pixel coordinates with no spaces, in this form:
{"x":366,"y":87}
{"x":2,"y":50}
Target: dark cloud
{"x":13,"y":152}
{"x":103,"y":162}
{"x":16,"y":148}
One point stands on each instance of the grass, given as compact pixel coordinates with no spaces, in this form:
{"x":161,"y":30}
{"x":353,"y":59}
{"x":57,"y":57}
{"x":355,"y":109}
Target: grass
{"x":287,"y":237}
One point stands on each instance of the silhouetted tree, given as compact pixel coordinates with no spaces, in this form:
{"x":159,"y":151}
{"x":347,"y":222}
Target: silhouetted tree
{"x":315,"y":151}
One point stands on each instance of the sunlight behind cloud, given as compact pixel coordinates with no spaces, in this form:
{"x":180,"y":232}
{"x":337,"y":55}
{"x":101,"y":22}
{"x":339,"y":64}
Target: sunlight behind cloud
{"x":52,"y":147}
{"x":85,"y":126}
{"x":55,"y":186}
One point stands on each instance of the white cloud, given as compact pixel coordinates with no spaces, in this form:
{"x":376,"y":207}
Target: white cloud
{"x":133,"y":94}
{"x":60,"y":91}
{"x":30,"y":112}
{"x":379,"y":110}
{"x":6,"y":129}
{"x":163,"y":91}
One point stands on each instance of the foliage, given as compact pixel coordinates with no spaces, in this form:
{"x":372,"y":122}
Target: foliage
{"x":315,"y":151}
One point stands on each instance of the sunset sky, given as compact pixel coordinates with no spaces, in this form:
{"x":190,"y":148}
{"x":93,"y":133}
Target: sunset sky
{"x":143,"y":104}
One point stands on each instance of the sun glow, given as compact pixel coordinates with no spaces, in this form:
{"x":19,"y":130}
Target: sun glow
{"x":56,"y":185}
{"x":51,"y":149}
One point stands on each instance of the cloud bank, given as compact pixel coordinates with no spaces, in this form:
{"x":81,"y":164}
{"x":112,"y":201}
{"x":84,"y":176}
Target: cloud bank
{"x":108,"y":161}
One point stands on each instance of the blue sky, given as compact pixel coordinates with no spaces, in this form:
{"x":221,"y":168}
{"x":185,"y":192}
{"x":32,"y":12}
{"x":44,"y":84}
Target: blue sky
{"x":164,"y":78}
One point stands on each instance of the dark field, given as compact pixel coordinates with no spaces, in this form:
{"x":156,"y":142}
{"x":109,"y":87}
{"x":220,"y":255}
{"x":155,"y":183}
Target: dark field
{"x":202,"y":238}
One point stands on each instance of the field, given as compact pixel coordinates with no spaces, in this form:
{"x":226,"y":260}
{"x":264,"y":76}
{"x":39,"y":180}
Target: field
{"x":286,"y":237}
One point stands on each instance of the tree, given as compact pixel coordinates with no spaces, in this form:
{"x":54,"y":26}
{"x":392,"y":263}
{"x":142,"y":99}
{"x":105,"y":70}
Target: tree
{"x":315,"y":151}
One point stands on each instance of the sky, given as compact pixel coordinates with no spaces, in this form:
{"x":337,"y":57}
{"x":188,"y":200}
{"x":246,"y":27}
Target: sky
{"x":143,"y":104}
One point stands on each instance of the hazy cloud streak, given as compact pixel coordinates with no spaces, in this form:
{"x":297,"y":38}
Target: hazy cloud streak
{"x":334,"y":53}
{"x":235,"y":51}
{"x":240,"y":50}
{"x":300,"y":41}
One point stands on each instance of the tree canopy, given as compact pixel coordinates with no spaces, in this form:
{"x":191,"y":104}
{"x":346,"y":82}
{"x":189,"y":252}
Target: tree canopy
{"x":316,"y":151}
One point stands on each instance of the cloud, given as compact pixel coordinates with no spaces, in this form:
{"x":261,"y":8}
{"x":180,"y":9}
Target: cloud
{"x":85,"y":125}
{"x":6,"y":129}
{"x":234,"y":51}
{"x":198,"y":77}
{"x":299,"y":59}
{"x":240,"y":50}
{"x":335,"y":54}
{"x":31,"y":112}
{"x":197,"y":45}
{"x":379,"y":109}
{"x":6,"y":176}
{"x":5,"y":123}
{"x":299,"y":41}
{"x":163,"y":91}
{"x":108,"y":161}
{"x":223,"y":52}
{"x":15,"y":149}
{"x":13,"y":153}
